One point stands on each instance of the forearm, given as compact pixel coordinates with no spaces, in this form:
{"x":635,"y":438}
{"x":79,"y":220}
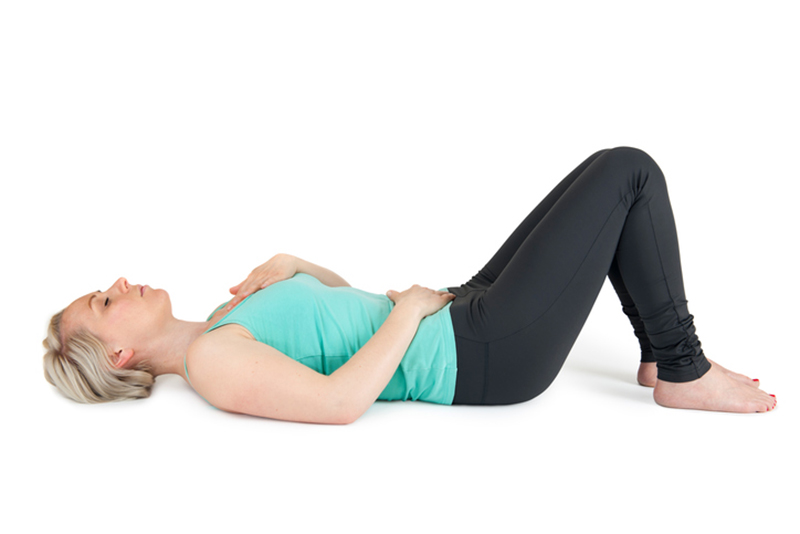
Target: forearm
{"x":326,"y":276}
{"x":360,"y":381}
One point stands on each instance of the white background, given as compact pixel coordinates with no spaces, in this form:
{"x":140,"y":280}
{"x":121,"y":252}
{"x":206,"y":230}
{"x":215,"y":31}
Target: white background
{"x":180,"y":144}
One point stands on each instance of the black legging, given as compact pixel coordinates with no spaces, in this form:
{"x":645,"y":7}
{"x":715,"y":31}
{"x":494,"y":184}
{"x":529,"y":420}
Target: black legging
{"x":517,"y":319}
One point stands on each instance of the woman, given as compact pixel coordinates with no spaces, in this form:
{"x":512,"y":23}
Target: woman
{"x":297,"y":343}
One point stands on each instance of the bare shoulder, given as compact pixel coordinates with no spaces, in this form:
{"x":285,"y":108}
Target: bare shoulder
{"x":212,"y":353}
{"x":217,"y":339}
{"x":237,"y":373}
{"x":213,"y":345}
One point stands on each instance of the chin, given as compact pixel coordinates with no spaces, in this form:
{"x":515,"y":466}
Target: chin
{"x":163,"y":296}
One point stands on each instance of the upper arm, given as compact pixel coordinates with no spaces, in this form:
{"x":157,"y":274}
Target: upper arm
{"x":238,"y":374}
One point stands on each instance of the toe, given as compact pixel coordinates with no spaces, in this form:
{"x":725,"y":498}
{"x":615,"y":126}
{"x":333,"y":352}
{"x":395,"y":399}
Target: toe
{"x":774,"y":402}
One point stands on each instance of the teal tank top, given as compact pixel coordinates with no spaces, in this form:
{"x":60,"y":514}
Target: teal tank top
{"x":322,"y":327}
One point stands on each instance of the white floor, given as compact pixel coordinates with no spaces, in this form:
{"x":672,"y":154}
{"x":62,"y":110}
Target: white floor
{"x":180,"y":145}
{"x":593,"y":450}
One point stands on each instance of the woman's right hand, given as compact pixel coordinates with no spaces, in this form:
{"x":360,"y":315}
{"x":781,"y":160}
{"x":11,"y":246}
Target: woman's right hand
{"x":278,"y":268}
{"x":425,"y":301}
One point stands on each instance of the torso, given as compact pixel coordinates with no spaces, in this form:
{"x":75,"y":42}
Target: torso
{"x":339,"y":322}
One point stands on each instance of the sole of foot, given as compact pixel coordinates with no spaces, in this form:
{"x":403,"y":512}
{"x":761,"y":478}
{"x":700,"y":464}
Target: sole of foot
{"x":718,"y":390}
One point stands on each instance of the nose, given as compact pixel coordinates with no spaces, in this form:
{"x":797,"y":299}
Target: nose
{"x":120,"y":285}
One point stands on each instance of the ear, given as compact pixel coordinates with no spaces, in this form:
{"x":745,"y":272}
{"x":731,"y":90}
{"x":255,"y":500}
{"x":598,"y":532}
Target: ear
{"x":122,"y":357}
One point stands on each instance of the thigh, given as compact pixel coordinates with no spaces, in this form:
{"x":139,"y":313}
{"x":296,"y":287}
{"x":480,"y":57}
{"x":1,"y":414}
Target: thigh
{"x":528,"y":319}
{"x":489,"y":273}
{"x":511,"y":351}
{"x":572,"y":245}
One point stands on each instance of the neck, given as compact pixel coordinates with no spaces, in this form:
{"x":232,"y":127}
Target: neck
{"x":168,"y":349}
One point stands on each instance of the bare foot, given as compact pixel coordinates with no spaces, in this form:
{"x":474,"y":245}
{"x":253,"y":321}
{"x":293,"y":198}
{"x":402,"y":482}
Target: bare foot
{"x":648,"y":373}
{"x":717,"y":391}
{"x":736,"y":376}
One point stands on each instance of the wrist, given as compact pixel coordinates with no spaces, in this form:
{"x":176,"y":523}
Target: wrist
{"x":300,"y":266}
{"x":409,"y":309}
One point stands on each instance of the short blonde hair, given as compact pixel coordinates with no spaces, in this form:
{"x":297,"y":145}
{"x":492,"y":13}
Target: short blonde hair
{"x":82,"y":370}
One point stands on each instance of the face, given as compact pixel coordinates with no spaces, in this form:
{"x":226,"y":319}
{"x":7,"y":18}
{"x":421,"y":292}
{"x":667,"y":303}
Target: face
{"x":124,"y":316}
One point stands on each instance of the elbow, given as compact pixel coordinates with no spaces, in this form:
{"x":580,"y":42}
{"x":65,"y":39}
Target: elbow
{"x":347,"y":411}
{"x":340,"y":417}
{"x":353,"y":416}
{"x":347,"y":415}
{"x":345,"y":420}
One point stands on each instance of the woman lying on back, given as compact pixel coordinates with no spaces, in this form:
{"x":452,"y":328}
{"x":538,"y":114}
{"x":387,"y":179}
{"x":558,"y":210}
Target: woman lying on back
{"x":297,"y":343}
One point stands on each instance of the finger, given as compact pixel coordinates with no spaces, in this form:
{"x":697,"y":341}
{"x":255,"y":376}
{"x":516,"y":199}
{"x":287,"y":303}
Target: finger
{"x":268,"y":282}
{"x":240,"y":289}
{"x":234,"y":301}
{"x":240,"y":296}
{"x":235,"y":289}
{"x":246,"y":283}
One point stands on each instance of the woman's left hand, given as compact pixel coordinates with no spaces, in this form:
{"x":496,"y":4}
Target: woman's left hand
{"x":279,"y":267}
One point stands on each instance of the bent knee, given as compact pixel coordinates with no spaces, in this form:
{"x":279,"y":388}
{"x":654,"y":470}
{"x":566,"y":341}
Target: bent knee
{"x":635,"y":166}
{"x":628,"y":156}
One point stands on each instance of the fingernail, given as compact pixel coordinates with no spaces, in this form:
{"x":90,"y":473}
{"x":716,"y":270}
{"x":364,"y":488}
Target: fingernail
{"x":755,"y":380}
{"x":773,"y":396}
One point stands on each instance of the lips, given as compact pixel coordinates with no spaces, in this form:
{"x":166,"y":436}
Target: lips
{"x":141,"y":290}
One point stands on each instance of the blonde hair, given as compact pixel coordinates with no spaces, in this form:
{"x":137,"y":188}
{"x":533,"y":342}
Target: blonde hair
{"x":82,"y":370}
